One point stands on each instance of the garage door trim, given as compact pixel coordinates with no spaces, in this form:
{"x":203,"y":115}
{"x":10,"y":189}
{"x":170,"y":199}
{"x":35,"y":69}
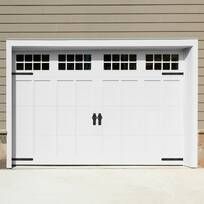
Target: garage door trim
{"x":189,"y":46}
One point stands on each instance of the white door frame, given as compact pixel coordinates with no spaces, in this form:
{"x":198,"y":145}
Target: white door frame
{"x":190,"y":47}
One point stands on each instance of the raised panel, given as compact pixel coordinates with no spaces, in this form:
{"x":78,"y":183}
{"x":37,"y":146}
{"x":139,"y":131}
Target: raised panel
{"x":23,"y":95}
{"x":111,"y":93}
{"x":66,"y":121}
{"x":44,"y":93}
{"x":45,"y":122}
{"x":66,"y":95}
{"x":84,"y":93}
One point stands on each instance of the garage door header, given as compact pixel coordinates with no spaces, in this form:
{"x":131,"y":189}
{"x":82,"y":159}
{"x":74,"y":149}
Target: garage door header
{"x":102,"y":44}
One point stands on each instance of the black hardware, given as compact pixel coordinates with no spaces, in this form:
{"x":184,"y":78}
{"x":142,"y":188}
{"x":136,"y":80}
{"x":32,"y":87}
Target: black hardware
{"x":94,"y":118}
{"x":100,"y":118}
{"x":22,"y":159}
{"x":22,"y":73}
{"x":172,"y":73}
{"x":172,"y":159}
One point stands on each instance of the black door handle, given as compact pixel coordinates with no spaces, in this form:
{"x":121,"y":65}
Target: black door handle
{"x":94,"y":118}
{"x":100,"y":119}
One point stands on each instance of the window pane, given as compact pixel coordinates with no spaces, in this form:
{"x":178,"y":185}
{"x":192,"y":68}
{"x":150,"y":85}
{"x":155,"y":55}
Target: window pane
{"x":157,"y":57}
{"x":87,"y":66}
{"x":79,"y":58}
{"x":107,"y":66}
{"x":107,"y":57}
{"x":70,"y":66}
{"x":70,"y":58}
{"x":28,"y":57}
{"x":133,"y":57}
{"x":124,"y":57}
{"x":149,"y":57}
{"x":78,"y":66}
{"x":45,"y":66}
{"x":36,"y":66}
{"x":19,"y":66}
{"x":149,"y":66}
{"x":166,"y":57}
{"x":174,"y":57}
{"x":28,"y":66}
{"x":45,"y":58}
{"x":115,"y":66}
{"x":61,"y":57}
{"x":174,"y":66}
{"x":133,"y":66}
{"x":116,"y":57}
{"x":157,"y":66}
{"x":61,"y":66}
{"x":20,"y":58}
{"x":124,"y":66}
{"x":37,"y":58}
{"x":87,"y":57}
{"x":166,"y":66}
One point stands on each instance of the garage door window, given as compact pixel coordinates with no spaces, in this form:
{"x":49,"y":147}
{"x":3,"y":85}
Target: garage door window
{"x":74,"y":62}
{"x":120,"y":61}
{"x":32,"y":62}
{"x":162,"y":61}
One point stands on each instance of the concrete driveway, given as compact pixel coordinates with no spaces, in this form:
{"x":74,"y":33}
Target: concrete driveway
{"x":101,"y":185}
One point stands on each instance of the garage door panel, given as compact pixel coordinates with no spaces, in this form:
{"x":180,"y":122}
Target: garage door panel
{"x":45,"y":93}
{"x":84,"y":123}
{"x":66,"y":93}
{"x":133,"y":149}
{"x":167,"y":147}
{"x":111,"y":93}
{"x":171,"y":93}
{"x":112,"y":149}
{"x":89,"y":148}
{"x":152,"y":121}
{"x":172,"y":120}
{"x":45,"y":149}
{"x":132,"y":121}
{"x":66,"y":147}
{"x":131,"y":94}
{"x":24,"y":121}
{"x":172,"y":146}
{"x":111,"y":121}
{"x":66,"y":121}
{"x":84,"y":93}
{"x":151,"y":93}
{"x":45,"y":121}
{"x":23,"y":88}
{"x":24,"y":146}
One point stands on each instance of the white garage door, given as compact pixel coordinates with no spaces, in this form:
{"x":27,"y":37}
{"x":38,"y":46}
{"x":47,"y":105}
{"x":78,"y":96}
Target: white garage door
{"x":98,"y":107}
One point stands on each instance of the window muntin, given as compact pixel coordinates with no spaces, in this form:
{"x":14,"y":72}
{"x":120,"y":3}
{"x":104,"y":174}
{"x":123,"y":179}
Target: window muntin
{"x":120,"y":61}
{"x":29,"y":62}
{"x":162,"y":61}
{"x":74,"y":62}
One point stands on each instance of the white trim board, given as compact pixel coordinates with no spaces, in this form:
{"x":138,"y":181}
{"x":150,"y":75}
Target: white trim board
{"x":191,"y":55}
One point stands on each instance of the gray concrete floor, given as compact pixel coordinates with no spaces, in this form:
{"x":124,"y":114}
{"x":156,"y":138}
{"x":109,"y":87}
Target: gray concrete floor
{"x":101,"y":185}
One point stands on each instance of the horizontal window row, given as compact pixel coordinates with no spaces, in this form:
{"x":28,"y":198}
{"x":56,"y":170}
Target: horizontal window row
{"x":162,"y":66}
{"x":120,"y":66}
{"x":120,"y":57}
{"x":74,"y":57}
{"x":162,"y":57}
{"x":74,"y":66}
{"x":32,"y":58}
{"x":32,"y":66}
